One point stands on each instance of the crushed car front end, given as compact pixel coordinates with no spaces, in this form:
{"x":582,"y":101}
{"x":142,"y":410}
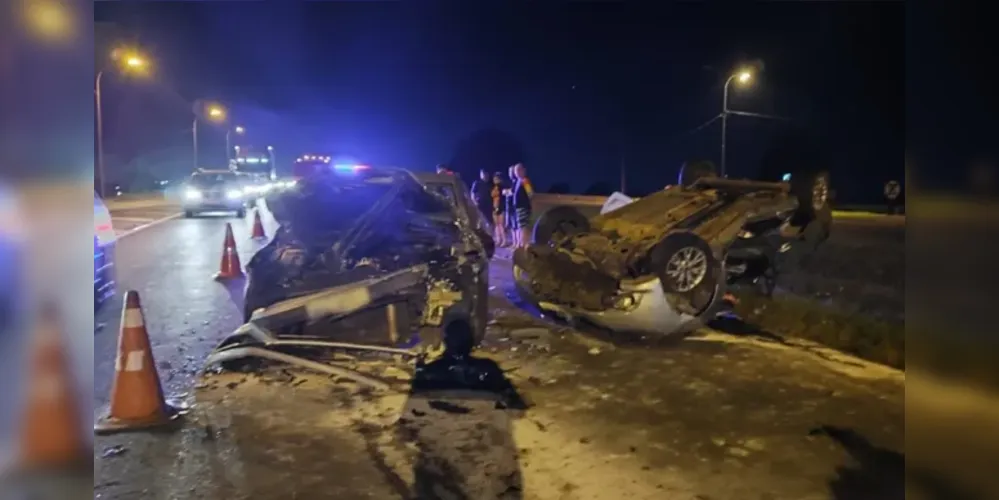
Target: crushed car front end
{"x":370,"y":258}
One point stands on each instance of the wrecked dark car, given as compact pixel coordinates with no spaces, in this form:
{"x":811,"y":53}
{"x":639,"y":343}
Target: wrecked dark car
{"x":661,"y":264}
{"x":364,"y":257}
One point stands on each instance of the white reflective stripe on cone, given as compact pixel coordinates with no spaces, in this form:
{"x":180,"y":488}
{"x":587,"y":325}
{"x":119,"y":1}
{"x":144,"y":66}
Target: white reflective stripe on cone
{"x":133,"y":318}
{"x":133,"y":361}
{"x":47,"y":388}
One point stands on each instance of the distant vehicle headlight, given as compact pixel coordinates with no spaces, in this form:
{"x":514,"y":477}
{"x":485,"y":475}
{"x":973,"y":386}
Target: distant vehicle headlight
{"x":192,"y":194}
{"x":233,"y":194}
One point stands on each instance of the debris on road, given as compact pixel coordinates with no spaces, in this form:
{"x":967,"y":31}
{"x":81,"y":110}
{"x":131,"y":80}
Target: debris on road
{"x":113,"y":451}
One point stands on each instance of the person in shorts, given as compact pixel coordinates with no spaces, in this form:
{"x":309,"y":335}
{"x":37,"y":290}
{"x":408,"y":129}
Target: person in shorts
{"x":522,"y":195}
{"x":499,"y":209}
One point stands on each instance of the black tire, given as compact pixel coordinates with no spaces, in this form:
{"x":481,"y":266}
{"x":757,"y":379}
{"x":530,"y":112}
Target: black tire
{"x":254,"y":297}
{"x":189,"y":214}
{"x":241,"y":213}
{"x":813,"y":193}
{"x":692,"y":171}
{"x":811,"y":188}
{"x":488,"y":243}
{"x":700,"y":282}
{"x":559,"y":223}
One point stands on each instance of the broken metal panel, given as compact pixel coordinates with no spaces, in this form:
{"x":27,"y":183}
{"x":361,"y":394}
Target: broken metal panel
{"x":242,"y":352}
{"x":340,"y":300}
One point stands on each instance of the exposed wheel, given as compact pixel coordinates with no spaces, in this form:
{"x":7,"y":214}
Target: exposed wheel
{"x":687,"y":267}
{"x":814,"y":203}
{"x":812,"y":190}
{"x":559,"y":223}
{"x":692,"y":171}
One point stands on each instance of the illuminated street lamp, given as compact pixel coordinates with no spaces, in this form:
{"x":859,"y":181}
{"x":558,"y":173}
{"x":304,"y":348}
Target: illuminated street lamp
{"x":212,"y":112}
{"x":228,"y":147}
{"x":743,"y":77}
{"x":131,"y":63}
{"x":51,"y":21}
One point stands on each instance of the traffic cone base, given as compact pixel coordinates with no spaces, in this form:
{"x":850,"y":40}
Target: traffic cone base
{"x":136,"y":395}
{"x":170,"y":414}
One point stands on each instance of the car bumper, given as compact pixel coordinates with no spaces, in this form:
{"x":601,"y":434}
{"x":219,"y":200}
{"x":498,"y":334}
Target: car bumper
{"x":649,"y":312}
{"x":214,"y":205}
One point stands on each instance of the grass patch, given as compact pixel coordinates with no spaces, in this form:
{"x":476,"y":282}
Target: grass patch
{"x":871,"y":339}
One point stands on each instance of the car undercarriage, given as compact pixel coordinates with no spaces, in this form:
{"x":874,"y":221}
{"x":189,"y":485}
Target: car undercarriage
{"x":693,"y":240}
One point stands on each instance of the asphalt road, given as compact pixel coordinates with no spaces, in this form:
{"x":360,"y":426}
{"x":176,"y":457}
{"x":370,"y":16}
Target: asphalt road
{"x":712,"y":417}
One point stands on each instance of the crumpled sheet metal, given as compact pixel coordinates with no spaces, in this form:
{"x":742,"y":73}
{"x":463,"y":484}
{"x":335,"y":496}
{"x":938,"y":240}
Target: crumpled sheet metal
{"x":339,"y":300}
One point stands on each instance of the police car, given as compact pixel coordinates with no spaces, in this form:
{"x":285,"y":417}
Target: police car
{"x":104,"y":239}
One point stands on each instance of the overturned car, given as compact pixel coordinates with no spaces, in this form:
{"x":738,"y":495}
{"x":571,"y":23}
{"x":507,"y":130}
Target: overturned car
{"x":661,"y":264}
{"x":363,"y":257}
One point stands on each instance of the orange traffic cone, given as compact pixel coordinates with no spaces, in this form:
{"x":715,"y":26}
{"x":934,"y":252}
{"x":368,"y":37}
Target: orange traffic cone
{"x":258,"y":226}
{"x":230,"y":267}
{"x":136,"y":397}
{"x":51,"y":435}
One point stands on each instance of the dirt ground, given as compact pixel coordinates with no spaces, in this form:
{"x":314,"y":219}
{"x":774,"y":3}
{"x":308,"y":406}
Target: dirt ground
{"x":543,"y":412}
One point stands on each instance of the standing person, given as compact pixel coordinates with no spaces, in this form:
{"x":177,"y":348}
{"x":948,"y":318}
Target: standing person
{"x":522,"y":202}
{"x":511,"y":210}
{"x":499,"y":209}
{"x":482,"y":196}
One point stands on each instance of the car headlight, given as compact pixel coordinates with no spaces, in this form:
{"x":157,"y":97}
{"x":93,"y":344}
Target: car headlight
{"x":746,"y":234}
{"x":192,"y":194}
{"x":233,"y":194}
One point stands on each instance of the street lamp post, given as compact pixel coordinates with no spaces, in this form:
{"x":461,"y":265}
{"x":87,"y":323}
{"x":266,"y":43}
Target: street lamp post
{"x":213,"y":112}
{"x":270,"y":152}
{"x":130,"y":62}
{"x":194,"y":135}
{"x":100,"y":135}
{"x":228,"y":146}
{"x":742,"y":77}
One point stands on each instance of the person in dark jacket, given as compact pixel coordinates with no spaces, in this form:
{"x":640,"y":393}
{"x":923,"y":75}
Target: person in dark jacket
{"x":511,"y":210}
{"x":482,"y":196}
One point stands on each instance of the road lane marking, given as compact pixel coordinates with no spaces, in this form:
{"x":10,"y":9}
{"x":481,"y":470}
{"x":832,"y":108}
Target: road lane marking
{"x":146,"y":226}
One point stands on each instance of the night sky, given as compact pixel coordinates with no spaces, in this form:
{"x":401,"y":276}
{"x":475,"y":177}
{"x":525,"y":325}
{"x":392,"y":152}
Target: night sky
{"x":573,"y":90}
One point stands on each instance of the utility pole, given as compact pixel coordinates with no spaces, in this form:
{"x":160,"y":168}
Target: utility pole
{"x":100,"y":137}
{"x":194,"y":135}
{"x":623,"y":174}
